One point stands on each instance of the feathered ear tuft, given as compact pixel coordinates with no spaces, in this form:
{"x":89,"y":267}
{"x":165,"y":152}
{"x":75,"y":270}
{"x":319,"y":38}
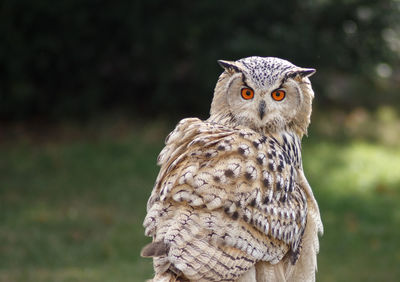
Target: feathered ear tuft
{"x":229,"y":66}
{"x":305,"y":72}
{"x":299,"y":73}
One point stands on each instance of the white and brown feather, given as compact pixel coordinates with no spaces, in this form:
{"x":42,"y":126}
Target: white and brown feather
{"x":226,"y":191}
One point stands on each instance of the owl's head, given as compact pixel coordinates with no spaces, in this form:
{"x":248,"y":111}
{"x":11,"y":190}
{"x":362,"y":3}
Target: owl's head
{"x":265,"y":94}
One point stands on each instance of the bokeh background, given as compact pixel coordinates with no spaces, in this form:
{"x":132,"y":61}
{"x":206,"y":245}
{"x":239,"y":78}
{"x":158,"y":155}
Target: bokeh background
{"x":89,"y":90}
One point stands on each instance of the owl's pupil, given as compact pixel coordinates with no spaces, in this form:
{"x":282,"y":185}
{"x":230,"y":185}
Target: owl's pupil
{"x":278,"y":94}
{"x":248,"y":93}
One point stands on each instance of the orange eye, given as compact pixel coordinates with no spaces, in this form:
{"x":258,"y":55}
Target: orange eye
{"x":278,"y":95}
{"x":247,"y":93}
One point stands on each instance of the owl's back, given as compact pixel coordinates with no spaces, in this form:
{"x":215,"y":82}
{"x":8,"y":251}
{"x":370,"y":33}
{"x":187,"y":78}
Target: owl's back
{"x":225,"y":199}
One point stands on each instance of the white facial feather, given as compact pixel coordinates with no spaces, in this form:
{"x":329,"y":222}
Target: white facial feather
{"x":263,"y":76}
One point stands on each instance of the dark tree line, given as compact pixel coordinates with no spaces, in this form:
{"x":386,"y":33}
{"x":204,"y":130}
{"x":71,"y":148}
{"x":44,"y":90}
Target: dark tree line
{"x":73,"y":58}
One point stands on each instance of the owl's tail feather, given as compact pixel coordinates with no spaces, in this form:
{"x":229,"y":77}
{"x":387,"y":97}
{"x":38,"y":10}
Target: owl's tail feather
{"x":198,"y":260}
{"x":154,"y":249}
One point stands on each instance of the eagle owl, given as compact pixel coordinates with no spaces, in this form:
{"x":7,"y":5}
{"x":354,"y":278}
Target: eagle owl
{"x":231,"y":202}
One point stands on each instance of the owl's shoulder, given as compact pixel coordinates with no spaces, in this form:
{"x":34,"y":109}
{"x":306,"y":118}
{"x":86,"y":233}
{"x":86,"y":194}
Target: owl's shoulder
{"x":192,"y":133}
{"x":248,"y":175}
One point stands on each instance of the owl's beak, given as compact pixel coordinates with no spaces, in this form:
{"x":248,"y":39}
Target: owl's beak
{"x":261,"y":109}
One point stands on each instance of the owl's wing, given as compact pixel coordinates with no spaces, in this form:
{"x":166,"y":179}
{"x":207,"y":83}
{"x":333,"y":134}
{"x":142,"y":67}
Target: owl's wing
{"x":224,"y":199}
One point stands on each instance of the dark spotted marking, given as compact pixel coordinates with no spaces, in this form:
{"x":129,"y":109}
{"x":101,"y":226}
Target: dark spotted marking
{"x":245,"y":218}
{"x":263,"y":139}
{"x":271,"y":166}
{"x":259,"y":160}
{"x":241,"y":151}
{"x":253,"y":203}
{"x":235,"y":215}
{"x":278,"y":186}
{"x":248,"y":175}
{"x":266,"y":182}
{"x":290,"y":188}
{"x":228,"y":173}
{"x":266,"y":200}
{"x":256,"y":144}
{"x":208,"y":155}
{"x":285,"y":216}
{"x":284,"y":139}
{"x":287,"y":158}
{"x":294,"y":255}
{"x":221,"y":148}
{"x":280,"y":166}
{"x":217,"y":179}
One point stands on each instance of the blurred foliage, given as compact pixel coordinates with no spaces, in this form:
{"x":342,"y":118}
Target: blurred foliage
{"x":79,"y":58}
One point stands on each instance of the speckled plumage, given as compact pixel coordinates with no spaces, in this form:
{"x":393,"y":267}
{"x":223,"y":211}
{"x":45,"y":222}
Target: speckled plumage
{"x":231,"y":202}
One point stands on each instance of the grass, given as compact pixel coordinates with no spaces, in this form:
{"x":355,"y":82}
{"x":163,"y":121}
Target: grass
{"x":357,"y":185}
{"x":72,"y":209}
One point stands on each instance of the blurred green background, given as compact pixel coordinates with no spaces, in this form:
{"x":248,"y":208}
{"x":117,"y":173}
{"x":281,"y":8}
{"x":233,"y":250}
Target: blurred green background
{"x":90,"y":89}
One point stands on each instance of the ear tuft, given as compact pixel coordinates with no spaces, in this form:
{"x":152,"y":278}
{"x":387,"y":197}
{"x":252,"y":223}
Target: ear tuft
{"x":303,"y":72}
{"x":229,"y":66}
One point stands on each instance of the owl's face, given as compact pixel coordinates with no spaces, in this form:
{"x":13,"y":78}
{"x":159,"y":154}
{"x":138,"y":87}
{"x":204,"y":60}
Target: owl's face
{"x":265,"y":94}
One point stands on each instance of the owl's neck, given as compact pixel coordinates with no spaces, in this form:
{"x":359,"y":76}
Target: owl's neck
{"x":270,"y":128}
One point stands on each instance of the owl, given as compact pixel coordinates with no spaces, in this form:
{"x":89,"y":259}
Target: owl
{"x":231,"y":201}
